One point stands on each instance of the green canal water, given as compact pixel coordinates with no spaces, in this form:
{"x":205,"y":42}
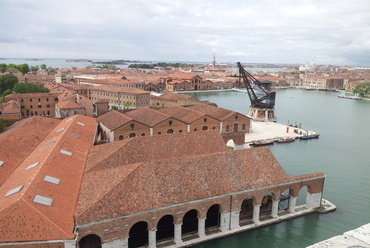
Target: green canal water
{"x":342,"y":153}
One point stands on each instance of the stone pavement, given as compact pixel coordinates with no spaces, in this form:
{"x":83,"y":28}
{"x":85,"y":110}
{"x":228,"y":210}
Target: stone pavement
{"x":359,"y":238}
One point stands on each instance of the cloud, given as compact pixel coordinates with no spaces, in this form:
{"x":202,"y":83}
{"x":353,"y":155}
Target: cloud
{"x":285,"y":31}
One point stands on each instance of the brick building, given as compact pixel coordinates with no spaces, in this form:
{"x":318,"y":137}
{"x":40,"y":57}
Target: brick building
{"x":35,"y":103}
{"x":57,"y":190}
{"x":121,"y":97}
{"x":117,"y":126}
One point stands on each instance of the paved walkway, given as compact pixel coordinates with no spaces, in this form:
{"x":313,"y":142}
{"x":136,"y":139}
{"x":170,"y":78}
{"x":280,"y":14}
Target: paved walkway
{"x":271,"y":130}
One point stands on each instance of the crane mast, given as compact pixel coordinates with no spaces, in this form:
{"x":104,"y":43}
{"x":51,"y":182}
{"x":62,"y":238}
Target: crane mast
{"x":261,"y":97}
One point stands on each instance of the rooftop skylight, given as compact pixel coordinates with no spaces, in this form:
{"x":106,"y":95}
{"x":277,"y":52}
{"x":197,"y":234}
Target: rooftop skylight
{"x":43,"y":200}
{"x":74,"y":135}
{"x":50,"y":143}
{"x":79,"y":123}
{"x":65,"y":152}
{"x":13,"y":191}
{"x":32,"y":165}
{"x":1,"y":163}
{"x":51,"y":179}
{"x":61,"y":129}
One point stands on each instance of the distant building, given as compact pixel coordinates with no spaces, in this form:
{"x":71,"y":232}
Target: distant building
{"x":42,"y":104}
{"x":323,"y":83}
{"x":68,"y":108}
{"x":60,"y":78}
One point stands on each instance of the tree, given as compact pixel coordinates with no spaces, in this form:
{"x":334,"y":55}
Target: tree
{"x":29,"y":88}
{"x":43,"y":66}
{"x":7,"y":92}
{"x":7,"y":82}
{"x":24,"y":68}
{"x":3,"y":67}
{"x":127,"y":105}
{"x":115,"y":107}
{"x":35,"y":68}
{"x":20,"y":88}
{"x":363,"y":89}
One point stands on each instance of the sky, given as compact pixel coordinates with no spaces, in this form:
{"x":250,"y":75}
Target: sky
{"x":335,"y":32}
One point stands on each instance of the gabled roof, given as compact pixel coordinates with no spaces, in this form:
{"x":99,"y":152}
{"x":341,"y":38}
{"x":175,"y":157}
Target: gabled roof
{"x":186,"y":76}
{"x":38,"y":199}
{"x":68,"y":105}
{"x":156,"y":147}
{"x":173,"y":181}
{"x":185,"y":114}
{"x":147,"y":116}
{"x":12,"y":107}
{"x":21,"y":139}
{"x":113,"y":119}
{"x":218,"y":113}
{"x":174,"y":96}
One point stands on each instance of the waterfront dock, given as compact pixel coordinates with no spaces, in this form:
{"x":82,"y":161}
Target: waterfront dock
{"x":359,"y":237}
{"x":261,"y":131}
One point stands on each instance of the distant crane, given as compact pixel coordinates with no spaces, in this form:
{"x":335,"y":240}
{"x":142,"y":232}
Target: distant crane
{"x":261,"y":97}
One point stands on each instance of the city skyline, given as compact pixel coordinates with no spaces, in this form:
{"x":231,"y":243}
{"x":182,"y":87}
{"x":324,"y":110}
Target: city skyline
{"x":328,"y":32}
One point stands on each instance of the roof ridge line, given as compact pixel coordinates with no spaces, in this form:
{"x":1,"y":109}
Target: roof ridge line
{"x":47,"y":218}
{"x":115,"y":185}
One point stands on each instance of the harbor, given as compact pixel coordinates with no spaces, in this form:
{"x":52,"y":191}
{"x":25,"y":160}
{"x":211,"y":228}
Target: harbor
{"x":337,"y":153}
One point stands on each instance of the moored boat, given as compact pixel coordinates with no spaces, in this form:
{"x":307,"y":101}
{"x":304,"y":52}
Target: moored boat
{"x":263,"y":142}
{"x":285,"y":140}
{"x":310,"y":136}
{"x":342,"y":94}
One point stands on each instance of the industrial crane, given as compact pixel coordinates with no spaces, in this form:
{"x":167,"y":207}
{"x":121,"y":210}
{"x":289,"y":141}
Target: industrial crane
{"x":263,"y":102}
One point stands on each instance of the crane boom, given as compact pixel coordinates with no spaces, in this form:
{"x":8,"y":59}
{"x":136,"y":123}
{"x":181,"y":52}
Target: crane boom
{"x":266,"y":98}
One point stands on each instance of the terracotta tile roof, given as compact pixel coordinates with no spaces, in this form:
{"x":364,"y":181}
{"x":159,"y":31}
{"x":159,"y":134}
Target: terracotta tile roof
{"x":68,"y":105}
{"x":147,"y":116}
{"x":154,"y":147}
{"x":174,"y":96}
{"x":119,"y":89}
{"x":30,"y":95}
{"x":113,"y":119}
{"x":12,"y":107}
{"x":50,"y":177}
{"x":185,"y":114}
{"x":173,"y":181}
{"x":20,"y":139}
{"x":216,"y":112}
{"x":186,"y":76}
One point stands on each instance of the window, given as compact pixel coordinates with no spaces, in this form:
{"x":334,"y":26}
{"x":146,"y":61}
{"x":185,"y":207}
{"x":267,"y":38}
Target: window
{"x":47,"y":99}
{"x":48,"y":106}
{"x":243,"y":127}
{"x":227,"y":129}
{"x":39,"y":106}
{"x":30,"y":100}
{"x":55,"y":99}
{"x":120,"y":137}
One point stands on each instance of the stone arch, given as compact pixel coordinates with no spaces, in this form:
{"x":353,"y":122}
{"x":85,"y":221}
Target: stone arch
{"x":143,"y":134}
{"x":302,"y":195}
{"x":213,"y":218}
{"x":284,"y":200}
{"x":165,"y":228}
{"x":204,"y":128}
{"x":132,"y":135}
{"x":266,"y":203}
{"x":230,"y":143}
{"x":138,"y":235}
{"x":190,"y":222}
{"x":120,"y":137}
{"x":246,"y":210}
{"x":90,"y":241}
{"x":170,"y":130}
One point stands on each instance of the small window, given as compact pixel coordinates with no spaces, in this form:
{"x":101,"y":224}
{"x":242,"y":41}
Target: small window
{"x":32,"y":165}
{"x":30,"y":100}
{"x":39,"y":106}
{"x":1,"y":163}
{"x":120,"y":137}
{"x":55,"y":99}
{"x":13,"y":191}
{"x":65,"y":152}
{"x":43,"y":200}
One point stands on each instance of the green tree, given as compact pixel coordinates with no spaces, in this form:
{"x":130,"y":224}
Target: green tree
{"x":43,"y":66}
{"x":7,"y":82}
{"x":24,"y":68}
{"x":43,"y":90}
{"x":115,"y":107}
{"x":35,"y":68}
{"x":20,"y":88}
{"x":127,"y":105}
{"x":3,"y":67}
{"x":7,"y":92}
{"x":363,"y":89}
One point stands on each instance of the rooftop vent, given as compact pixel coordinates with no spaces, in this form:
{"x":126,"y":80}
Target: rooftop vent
{"x":32,"y":165}
{"x":13,"y":191}
{"x":43,"y":200}
{"x":51,"y":179}
{"x":65,"y":152}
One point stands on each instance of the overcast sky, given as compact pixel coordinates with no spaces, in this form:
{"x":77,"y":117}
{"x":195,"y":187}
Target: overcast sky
{"x":265,"y":31}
